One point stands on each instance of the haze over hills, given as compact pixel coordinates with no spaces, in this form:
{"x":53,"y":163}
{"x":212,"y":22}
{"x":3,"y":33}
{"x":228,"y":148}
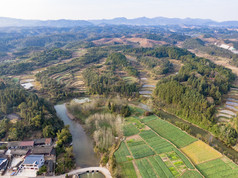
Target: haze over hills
{"x":142,"y":21}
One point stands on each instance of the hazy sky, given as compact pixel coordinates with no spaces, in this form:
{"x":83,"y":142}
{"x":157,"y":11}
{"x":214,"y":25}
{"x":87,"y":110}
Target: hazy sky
{"x":219,"y":10}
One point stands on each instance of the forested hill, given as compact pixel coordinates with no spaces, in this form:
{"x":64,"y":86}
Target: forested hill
{"x":35,"y":118}
{"x":194,"y":92}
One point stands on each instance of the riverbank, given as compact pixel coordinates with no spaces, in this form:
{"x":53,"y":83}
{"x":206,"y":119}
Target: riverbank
{"x":82,"y":144}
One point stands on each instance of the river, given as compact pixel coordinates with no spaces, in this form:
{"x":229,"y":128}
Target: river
{"x":82,"y":144}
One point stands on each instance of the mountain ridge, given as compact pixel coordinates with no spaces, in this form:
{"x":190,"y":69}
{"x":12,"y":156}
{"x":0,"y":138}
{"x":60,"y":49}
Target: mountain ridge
{"x":140,"y":21}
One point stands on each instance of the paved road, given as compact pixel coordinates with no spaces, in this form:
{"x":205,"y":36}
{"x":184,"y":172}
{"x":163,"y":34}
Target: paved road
{"x":103,"y":170}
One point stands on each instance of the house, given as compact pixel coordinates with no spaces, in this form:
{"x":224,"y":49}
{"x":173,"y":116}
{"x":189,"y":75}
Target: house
{"x":3,"y":165}
{"x":19,"y":152}
{"x":33,"y":162}
{"x":13,"y":145}
{"x":26,"y":144}
{"x":43,"y":142}
{"x":47,"y":151}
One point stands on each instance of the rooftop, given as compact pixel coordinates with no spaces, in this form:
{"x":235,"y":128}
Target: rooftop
{"x":42,"y":150}
{"x":19,"y":152}
{"x":27,"y":143}
{"x":33,"y":159}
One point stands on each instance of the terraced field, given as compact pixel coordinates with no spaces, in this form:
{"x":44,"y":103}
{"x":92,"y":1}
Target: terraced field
{"x":159,"y":149}
{"x":229,"y":109}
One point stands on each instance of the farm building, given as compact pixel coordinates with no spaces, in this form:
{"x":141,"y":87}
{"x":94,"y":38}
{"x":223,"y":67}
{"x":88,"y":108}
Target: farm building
{"x":19,"y":152}
{"x":48,"y":150}
{"x":33,"y":162}
{"x":43,"y":141}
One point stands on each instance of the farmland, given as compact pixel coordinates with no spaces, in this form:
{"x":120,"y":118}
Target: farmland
{"x":163,"y":150}
{"x":219,"y":168}
{"x":122,"y":153}
{"x":139,"y":149}
{"x":170,"y":132}
{"x":130,"y":129}
{"x":157,"y":143}
{"x":128,"y":170}
{"x":200,"y":152}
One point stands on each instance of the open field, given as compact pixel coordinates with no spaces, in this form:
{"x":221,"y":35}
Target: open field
{"x":170,"y":132}
{"x":200,"y":152}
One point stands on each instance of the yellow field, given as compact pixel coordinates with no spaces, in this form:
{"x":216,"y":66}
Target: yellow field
{"x":200,"y":152}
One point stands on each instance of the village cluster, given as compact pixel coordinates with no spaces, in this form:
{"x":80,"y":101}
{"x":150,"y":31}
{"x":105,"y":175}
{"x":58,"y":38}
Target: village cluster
{"x":25,"y":158}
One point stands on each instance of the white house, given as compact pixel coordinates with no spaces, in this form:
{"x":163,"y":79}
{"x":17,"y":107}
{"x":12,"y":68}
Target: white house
{"x":33,"y":162}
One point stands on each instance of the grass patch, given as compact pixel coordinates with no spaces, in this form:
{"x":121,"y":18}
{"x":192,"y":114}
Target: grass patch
{"x":200,"y":152}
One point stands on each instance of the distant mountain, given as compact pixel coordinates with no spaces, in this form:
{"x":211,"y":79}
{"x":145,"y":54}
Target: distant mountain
{"x":154,"y":21}
{"x":6,"y":22}
{"x":142,"y":21}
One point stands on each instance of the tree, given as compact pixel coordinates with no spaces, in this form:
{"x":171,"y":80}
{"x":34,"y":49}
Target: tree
{"x":36,"y":122}
{"x":48,"y":131}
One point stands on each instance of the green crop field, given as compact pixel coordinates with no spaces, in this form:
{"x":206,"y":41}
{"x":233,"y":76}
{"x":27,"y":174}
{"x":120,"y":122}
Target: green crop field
{"x":128,"y":170}
{"x":160,"y":167}
{"x":170,"y":132}
{"x":156,"y":142}
{"x":140,"y":150}
{"x":191,"y":174}
{"x":145,"y":168}
{"x":135,"y":120}
{"x":130,"y":129}
{"x":218,"y":168}
{"x":122,"y":153}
